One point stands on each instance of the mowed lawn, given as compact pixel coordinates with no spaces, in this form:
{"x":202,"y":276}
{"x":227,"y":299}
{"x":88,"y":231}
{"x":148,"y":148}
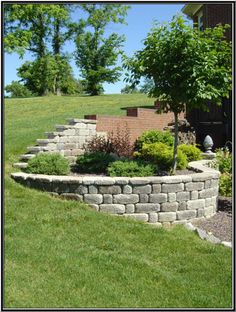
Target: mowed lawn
{"x":62,"y":254}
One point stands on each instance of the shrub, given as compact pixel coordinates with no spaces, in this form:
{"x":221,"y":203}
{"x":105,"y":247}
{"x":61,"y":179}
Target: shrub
{"x":96,"y":162}
{"x":191,"y":151}
{"x":223,"y":163}
{"x":154,"y":136}
{"x":162,"y":155}
{"x":129,"y":168}
{"x":121,"y":143}
{"x":225,"y":184}
{"x":117,"y":142}
{"x":17,"y":90}
{"x":224,"y":160}
{"x":46,"y":163}
{"x":99,"y":144}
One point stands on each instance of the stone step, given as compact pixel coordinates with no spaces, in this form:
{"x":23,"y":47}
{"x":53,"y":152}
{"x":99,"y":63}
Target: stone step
{"x":26,"y":157}
{"x":34,"y":149}
{"x":42,"y":142}
{"x":73,"y":121}
{"x":51,"y":135}
{"x":60,"y":128}
{"x":20,"y":165}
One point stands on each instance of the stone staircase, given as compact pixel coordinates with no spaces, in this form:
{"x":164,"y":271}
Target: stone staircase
{"x":68,"y":140}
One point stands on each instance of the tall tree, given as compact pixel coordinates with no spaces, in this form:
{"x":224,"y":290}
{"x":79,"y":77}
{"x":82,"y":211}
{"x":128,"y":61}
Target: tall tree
{"x":189,"y":67}
{"x":37,"y":28}
{"x":96,"y":55}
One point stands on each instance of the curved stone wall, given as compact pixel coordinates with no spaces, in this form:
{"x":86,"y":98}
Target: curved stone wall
{"x":160,"y":200}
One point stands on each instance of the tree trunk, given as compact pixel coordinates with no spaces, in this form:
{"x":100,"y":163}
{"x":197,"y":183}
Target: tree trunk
{"x":56,"y":52}
{"x":175,"y":144}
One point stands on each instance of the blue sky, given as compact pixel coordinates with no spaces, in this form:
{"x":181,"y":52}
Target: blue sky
{"x":139,"y":20}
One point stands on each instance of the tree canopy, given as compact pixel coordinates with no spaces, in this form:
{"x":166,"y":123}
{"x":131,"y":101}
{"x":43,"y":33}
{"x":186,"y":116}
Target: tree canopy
{"x":189,"y":67}
{"x":96,"y":55}
{"x":41,"y":29}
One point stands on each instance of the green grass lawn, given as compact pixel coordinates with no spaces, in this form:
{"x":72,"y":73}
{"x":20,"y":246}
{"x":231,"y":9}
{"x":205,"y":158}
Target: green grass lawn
{"x":62,"y":254}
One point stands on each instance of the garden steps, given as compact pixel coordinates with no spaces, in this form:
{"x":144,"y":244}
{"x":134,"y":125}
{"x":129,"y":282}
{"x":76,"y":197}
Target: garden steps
{"x":26,"y":157}
{"x":73,"y":121}
{"x":21,"y":165}
{"x":35,"y":149}
{"x":68,"y":140}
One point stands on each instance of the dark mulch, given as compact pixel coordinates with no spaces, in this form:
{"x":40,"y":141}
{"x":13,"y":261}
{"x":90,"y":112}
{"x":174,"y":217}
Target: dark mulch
{"x":74,"y":172}
{"x":220,"y":225}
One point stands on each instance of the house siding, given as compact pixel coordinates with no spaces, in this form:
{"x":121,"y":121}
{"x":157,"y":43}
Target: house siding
{"x":218,"y":121}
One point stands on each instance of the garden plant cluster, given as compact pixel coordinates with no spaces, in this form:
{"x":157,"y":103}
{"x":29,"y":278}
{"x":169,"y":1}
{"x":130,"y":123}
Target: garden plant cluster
{"x":223,"y":163}
{"x":152,"y":154}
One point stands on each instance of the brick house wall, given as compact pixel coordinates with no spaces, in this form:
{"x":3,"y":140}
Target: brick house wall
{"x":214,"y":14}
{"x":218,"y":121}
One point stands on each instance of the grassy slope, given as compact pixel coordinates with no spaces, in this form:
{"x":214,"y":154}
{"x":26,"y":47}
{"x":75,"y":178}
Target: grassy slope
{"x":63,"y":254}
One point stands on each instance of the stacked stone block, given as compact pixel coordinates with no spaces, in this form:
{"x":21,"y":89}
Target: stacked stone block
{"x":68,"y":140}
{"x":159,"y":200}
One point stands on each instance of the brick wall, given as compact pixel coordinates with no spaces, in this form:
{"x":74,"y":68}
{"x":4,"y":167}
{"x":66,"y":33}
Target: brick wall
{"x":137,"y":121}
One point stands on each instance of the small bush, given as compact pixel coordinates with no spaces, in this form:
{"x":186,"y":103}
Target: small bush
{"x":45,"y":163}
{"x":225,"y":184}
{"x":98,"y":144}
{"x":224,"y":160}
{"x":17,"y":90}
{"x":223,"y":163}
{"x":154,"y":136}
{"x":94,"y":162}
{"x":129,"y":168}
{"x":162,"y":155}
{"x":118,"y":142}
{"x":121,"y":142}
{"x":191,"y":151}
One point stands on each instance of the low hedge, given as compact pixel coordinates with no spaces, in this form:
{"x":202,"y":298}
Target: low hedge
{"x":46,"y":163}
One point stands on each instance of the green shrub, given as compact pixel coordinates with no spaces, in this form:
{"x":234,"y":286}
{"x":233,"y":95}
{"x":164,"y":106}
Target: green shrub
{"x":17,"y":90}
{"x":162,"y":155}
{"x":45,"y":163}
{"x":191,"y":151}
{"x":129,"y":168}
{"x":223,"y":160}
{"x":225,"y":184}
{"x":96,"y":162}
{"x":154,"y":136}
{"x":223,"y":163}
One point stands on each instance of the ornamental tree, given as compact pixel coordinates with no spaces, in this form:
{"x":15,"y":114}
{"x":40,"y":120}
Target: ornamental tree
{"x":189,"y":68}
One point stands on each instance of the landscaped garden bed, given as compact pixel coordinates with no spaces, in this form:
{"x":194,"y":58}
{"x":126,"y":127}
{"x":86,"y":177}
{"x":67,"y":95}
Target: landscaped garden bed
{"x":162,"y":200}
{"x":50,"y":243}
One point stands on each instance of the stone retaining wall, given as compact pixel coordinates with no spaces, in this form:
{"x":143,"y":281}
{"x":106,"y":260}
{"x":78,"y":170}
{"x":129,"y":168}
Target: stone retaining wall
{"x":68,"y":140}
{"x":160,"y":200}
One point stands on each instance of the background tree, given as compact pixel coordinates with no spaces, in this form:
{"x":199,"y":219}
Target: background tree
{"x":147,"y":86}
{"x":129,"y":89}
{"x":42,"y":30}
{"x":96,"y":55}
{"x":189,"y":67}
{"x":17,"y":90}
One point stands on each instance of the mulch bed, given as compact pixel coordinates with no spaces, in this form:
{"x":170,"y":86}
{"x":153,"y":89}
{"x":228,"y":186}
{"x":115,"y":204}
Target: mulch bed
{"x":220,"y":225}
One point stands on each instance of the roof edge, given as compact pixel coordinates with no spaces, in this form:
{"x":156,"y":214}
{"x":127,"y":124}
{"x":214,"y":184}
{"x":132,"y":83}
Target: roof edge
{"x":191,"y":9}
